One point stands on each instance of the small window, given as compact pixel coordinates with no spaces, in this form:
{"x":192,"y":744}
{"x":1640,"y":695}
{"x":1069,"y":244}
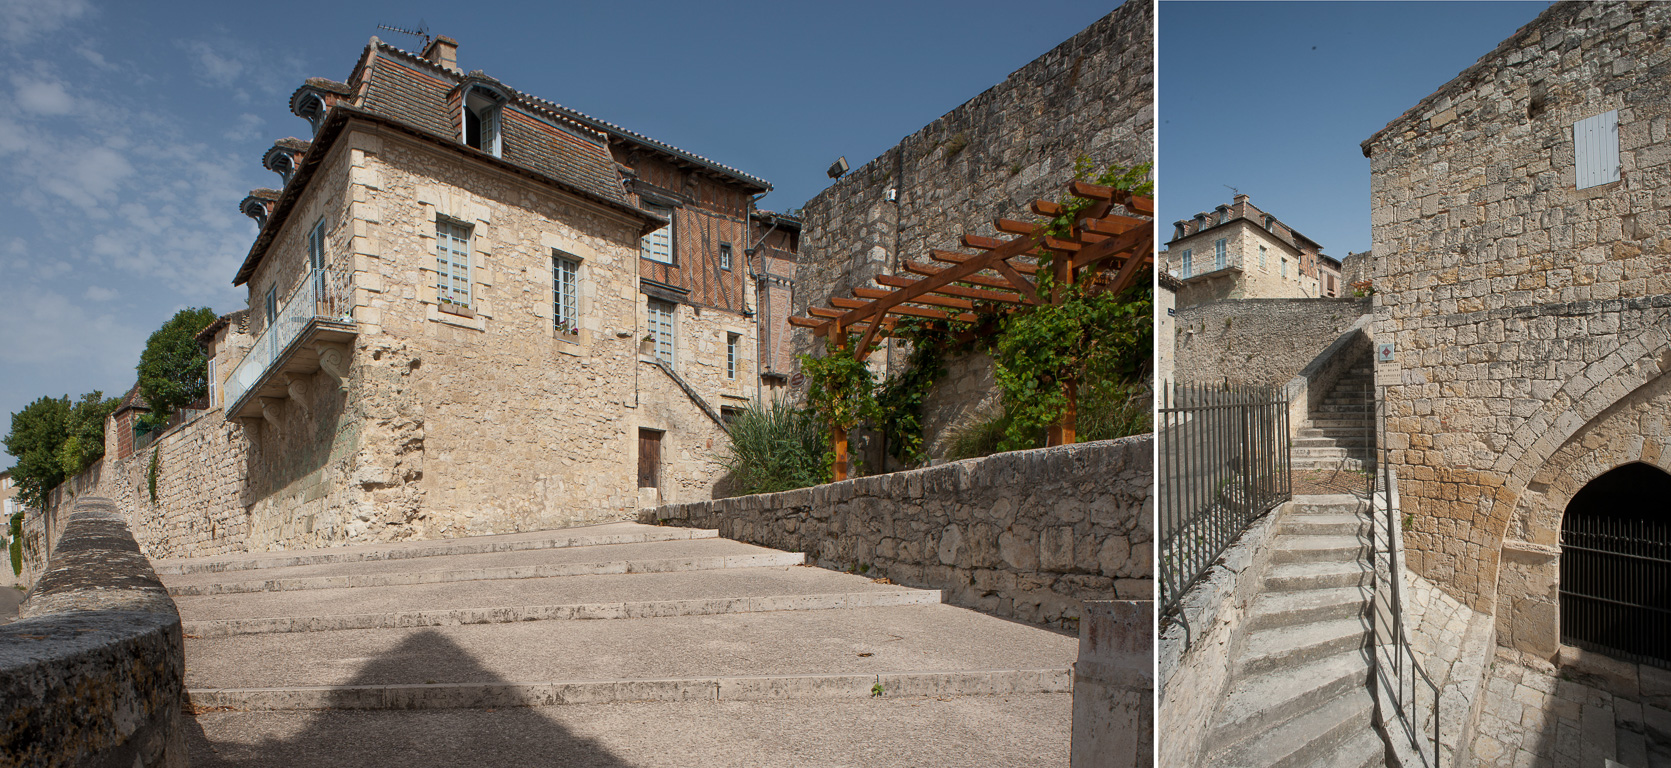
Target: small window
{"x":729,"y":414}
{"x":1269,"y":221}
{"x":1178,"y":230}
{"x":731,"y":340}
{"x":565,"y":310}
{"x":1595,"y":145}
{"x":1220,"y":254}
{"x":1223,"y":215}
{"x":316,"y":245}
{"x":452,"y":263}
{"x":1285,"y":267}
{"x":1189,"y":270}
{"x":482,"y":112}
{"x":725,"y":256}
{"x":214,"y":386}
{"x":658,"y":245}
{"x":270,"y":307}
{"x":661,"y":328}
{"x":1261,"y":258}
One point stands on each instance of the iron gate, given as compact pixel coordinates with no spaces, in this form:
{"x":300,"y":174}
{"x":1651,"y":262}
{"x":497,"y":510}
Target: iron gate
{"x":1616,"y":571}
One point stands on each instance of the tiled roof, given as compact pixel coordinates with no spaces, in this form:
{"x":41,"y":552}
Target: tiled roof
{"x":553,"y":109}
{"x":293,"y":143}
{"x":132,"y":401}
{"x":421,"y":96}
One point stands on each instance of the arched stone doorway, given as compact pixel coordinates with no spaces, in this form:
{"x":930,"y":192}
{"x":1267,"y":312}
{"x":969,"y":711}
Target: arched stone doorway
{"x":1615,"y":587}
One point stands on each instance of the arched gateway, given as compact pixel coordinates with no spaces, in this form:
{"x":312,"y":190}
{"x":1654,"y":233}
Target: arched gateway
{"x":1616,"y":565}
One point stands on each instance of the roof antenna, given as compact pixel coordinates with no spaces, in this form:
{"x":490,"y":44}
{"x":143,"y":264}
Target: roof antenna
{"x":422,"y":32}
{"x":1233,"y":190}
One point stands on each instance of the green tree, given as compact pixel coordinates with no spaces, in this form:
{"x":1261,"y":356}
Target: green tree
{"x":38,"y":434}
{"x":173,"y":371}
{"x":85,"y":429}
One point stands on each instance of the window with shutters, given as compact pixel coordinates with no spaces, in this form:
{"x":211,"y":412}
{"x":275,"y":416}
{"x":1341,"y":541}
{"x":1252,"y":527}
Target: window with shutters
{"x":565,"y":293}
{"x":1261,"y":258}
{"x":1595,"y":145}
{"x":483,"y":113}
{"x":1189,"y":270}
{"x":661,"y":328}
{"x":658,"y":245}
{"x":214,"y":386}
{"x":452,"y":265}
{"x":725,"y":256}
{"x":1219,"y":253}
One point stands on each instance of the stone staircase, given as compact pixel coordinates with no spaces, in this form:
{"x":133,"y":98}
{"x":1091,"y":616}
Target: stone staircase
{"x":1298,"y":691}
{"x":1337,"y":435}
{"x":619,"y":644}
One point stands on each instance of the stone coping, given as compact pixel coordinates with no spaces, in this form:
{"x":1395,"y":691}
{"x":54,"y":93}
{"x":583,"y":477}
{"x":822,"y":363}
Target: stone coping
{"x":93,"y":671}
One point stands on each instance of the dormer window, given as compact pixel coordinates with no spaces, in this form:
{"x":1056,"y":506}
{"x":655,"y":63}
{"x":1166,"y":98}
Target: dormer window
{"x":1269,"y":221}
{"x":312,"y":109}
{"x":1178,"y":230}
{"x":483,"y":108}
{"x":285,"y":166}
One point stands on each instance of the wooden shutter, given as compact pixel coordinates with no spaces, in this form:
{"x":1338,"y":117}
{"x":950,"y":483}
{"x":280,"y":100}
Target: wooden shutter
{"x":1595,"y":146}
{"x":649,"y":458}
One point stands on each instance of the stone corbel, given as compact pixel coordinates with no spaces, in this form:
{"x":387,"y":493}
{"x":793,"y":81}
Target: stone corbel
{"x":269,"y":410}
{"x":296,"y":388}
{"x":334,"y":362}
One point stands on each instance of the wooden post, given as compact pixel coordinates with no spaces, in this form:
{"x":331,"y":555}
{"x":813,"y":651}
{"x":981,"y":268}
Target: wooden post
{"x":838,"y":435}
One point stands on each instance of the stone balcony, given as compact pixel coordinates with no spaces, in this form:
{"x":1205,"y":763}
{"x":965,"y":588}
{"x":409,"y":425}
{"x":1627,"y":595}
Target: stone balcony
{"x":311,"y":331}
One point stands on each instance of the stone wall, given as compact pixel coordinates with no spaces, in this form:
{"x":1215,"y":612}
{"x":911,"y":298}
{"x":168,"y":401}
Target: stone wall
{"x":1258,"y":341}
{"x":92,"y":673}
{"x":1114,"y":686}
{"x":1028,"y":535}
{"x":992,"y":156}
{"x":1522,"y":308}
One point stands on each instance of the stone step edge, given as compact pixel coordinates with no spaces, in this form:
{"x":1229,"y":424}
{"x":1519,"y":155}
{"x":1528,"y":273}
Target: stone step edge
{"x":558,"y":570}
{"x":218,"y":628}
{"x":736,"y":688}
{"x":444,"y":547}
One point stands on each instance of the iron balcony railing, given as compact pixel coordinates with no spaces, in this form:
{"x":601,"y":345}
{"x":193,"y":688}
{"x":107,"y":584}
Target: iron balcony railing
{"x":323,"y":294}
{"x":1224,"y":463}
{"x":1399,"y":679}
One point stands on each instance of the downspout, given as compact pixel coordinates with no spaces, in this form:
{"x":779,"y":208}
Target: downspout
{"x":760,"y":328}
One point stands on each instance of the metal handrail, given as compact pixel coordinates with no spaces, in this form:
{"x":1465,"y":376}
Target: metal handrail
{"x":1224,"y":463}
{"x":323,"y":293}
{"x":1398,"y":677}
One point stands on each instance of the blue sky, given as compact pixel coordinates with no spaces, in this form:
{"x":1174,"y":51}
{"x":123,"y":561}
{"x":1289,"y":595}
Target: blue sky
{"x":1274,"y":98}
{"x":130,"y":131}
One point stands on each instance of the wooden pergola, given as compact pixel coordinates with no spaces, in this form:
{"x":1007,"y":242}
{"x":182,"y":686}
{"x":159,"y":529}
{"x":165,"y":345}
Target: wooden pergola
{"x":1111,"y":250}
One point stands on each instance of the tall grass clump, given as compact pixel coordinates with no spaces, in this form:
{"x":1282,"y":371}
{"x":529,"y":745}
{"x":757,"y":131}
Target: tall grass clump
{"x":776,"y":447}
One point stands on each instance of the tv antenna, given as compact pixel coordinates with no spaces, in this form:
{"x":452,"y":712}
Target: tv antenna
{"x":422,"y":32}
{"x":1233,"y":190}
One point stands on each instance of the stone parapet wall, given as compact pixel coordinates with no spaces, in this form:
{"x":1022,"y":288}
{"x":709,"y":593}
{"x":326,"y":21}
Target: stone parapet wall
{"x":1114,"y":686}
{"x":1263,"y":342}
{"x":1027,"y":535}
{"x":93,"y":671}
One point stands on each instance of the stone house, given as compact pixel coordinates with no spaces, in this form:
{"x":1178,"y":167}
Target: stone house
{"x":1241,"y":252}
{"x":472,"y":310}
{"x":1521,"y":270}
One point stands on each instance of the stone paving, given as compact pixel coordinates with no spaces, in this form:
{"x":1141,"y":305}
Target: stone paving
{"x":1588,"y":711}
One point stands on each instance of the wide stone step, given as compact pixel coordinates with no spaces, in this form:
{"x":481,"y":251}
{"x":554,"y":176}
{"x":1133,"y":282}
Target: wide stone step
{"x":1313,"y":549}
{"x":1323,"y":441}
{"x":1335,"y":432}
{"x":1317,"y":465}
{"x":1307,"y":737}
{"x":1358,"y":424}
{"x":925,"y":648}
{"x":1298,"y":453}
{"x":1279,"y":648}
{"x":1290,"y":577}
{"x":1325,"y":504}
{"x":1324,"y":525}
{"x":1365,"y":750}
{"x":1286,"y":609}
{"x":1258,"y":707}
{"x":650,"y":557}
{"x":609,"y":533}
{"x":561,"y":598}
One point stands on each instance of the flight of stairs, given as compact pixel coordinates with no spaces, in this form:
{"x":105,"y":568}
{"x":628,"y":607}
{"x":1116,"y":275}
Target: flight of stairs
{"x":1298,"y":694}
{"x":618,"y":644}
{"x":1337,"y":434}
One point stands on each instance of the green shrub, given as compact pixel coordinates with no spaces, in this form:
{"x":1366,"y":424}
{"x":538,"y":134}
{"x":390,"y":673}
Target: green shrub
{"x":85,"y":427}
{"x":776,"y":447}
{"x":173,"y":371}
{"x":17,"y":544}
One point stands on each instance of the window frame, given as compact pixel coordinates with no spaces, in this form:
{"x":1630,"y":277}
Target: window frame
{"x":490,"y":119}
{"x":1188,"y":258}
{"x":670,"y":311}
{"x":732,"y":340}
{"x":1221,"y":253}
{"x":1595,"y":150}
{"x":563,"y":265}
{"x":1263,"y":252}
{"x":446,"y":297}
{"x":725,"y":256}
{"x":645,"y":243}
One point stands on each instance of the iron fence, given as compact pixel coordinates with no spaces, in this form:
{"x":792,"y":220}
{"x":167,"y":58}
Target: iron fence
{"x":1224,"y":463}
{"x":1615,"y":581}
{"x":1398,"y":677}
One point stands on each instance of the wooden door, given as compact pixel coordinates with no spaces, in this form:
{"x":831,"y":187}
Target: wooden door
{"x":649,"y":458}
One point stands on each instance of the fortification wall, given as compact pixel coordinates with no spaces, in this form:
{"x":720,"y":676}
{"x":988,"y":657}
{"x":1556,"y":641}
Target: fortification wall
{"x":1257,"y":341}
{"x":1027,"y":535}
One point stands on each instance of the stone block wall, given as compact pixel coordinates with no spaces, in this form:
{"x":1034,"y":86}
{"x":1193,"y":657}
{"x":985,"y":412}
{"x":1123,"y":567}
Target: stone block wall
{"x":1090,"y":96}
{"x":1027,"y":535}
{"x":93,"y":671}
{"x":1114,"y":686}
{"x":1522,"y":308}
{"x":1257,"y":341}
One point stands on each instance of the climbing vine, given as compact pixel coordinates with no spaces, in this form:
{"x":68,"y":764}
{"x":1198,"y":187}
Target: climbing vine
{"x":151,"y":475}
{"x":900,"y":401}
{"x":840,"y":388}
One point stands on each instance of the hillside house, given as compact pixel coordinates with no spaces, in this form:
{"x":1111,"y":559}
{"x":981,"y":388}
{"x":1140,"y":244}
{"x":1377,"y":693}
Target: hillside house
{"x":1241,"y":252}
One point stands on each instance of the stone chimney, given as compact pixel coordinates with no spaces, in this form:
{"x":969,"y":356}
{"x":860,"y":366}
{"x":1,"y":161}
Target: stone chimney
{"x":1241,"y":200}
{"x":443,"y":50}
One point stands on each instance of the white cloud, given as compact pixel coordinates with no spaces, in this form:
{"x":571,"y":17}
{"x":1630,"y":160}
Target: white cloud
{"x":42,"y":97}
{"x":216,"y":67}
{"x":86,"y":176}
{"x":27,"y":20}
{"x":100,"y":294}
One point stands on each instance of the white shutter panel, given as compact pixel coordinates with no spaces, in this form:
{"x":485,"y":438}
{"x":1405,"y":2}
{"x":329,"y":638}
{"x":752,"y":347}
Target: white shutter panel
{"x":1595,"y":145}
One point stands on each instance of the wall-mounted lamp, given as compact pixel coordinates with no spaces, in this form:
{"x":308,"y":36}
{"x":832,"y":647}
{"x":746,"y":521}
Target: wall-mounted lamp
{"x":838,"y":167}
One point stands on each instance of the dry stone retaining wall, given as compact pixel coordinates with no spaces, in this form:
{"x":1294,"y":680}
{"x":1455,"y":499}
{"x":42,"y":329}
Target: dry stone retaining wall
{"x":1257,"y":341}
{"x":1028,"y":535}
